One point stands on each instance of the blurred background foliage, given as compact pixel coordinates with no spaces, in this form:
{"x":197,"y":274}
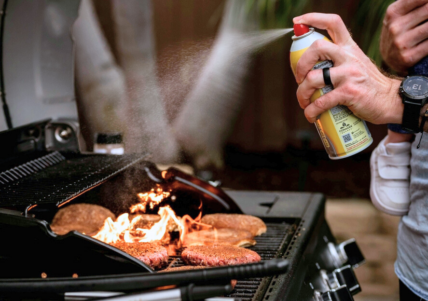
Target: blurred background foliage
{"x":367,"y":23}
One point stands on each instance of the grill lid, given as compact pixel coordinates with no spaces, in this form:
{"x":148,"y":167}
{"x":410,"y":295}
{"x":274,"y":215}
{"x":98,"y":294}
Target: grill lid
{"x":58,"y":178}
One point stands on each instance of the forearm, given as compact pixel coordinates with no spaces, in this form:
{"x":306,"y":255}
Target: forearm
{"x":394,"y":113}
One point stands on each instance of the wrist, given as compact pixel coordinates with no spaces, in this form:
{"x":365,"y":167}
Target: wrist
{"x":396,"y":106}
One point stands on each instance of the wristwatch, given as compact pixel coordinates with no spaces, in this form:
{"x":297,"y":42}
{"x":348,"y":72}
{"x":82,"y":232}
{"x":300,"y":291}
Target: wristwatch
{"x":414,"y":93}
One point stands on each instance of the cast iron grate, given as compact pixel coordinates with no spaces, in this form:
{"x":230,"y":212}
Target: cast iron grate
{"x":30,"y":167}
{"x":270,"y":245}
{"x":63,"y":179}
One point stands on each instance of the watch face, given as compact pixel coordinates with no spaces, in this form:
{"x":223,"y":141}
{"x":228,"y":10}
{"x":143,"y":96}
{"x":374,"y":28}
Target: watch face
{"x":416,"y":86}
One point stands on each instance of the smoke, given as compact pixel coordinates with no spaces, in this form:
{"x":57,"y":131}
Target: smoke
{"x":212,"y":106}
{"x":200,"y":89}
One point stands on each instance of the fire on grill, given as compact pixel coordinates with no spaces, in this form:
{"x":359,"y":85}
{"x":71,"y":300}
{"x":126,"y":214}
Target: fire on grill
{"x":151,"y":238}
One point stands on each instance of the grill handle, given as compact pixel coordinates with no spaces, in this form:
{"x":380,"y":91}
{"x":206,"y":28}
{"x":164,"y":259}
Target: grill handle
{"x":140,"y":282}
{"x":185,"y":293}
{"x":173,"y":179}
{"x":213,"y":197}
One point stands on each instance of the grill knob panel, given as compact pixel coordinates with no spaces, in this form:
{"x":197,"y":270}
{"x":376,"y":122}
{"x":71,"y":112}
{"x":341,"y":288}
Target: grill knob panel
{"x":347,"y":252}
{"x":353,"y":253}
{"x":340,"y":294}
{"x":346,"y":276}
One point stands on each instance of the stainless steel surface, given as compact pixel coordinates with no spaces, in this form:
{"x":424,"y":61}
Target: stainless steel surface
{"x":38,"y":60}
{"x":166,"y":295}
{"x":63,"y":135}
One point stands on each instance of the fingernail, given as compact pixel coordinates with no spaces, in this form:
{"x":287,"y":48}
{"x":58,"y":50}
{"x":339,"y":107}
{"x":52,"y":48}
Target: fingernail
{"x":296,"y":20}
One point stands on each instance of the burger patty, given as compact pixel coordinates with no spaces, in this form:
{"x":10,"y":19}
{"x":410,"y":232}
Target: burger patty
{"x":85,"y":218}
{"x":218,"y":255}
{"x":146,"y":221}
{"x":234,"y":237}
{"x":236,"y":221}
{"x":143,"y":221}
{"x":151,"y":253}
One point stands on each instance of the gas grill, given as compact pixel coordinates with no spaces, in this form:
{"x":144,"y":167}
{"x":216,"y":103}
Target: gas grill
{"x":42,"y":169}
{"x":36,"y":181}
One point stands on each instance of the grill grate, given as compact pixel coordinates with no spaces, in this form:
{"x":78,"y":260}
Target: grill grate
{"x":270,"y":245}
{"x":56,"y":179}
{"x":30,"y":167}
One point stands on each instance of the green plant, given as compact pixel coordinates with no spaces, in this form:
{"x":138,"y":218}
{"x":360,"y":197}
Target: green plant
{"x":367,"y":22}
{"x":280,"y":13}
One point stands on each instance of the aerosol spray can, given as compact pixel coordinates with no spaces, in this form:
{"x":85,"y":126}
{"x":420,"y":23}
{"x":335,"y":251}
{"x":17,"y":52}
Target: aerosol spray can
{"x":341,"y":132}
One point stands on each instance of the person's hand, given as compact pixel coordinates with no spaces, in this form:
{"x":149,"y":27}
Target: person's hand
{"x":403,"y":41}
{"x":358,"y":83}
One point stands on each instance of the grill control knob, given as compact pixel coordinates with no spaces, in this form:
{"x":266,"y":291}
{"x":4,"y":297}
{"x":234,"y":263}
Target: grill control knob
{"x":344,"y":276}
{"x":339,"y":294}
{"x":347,"y":252}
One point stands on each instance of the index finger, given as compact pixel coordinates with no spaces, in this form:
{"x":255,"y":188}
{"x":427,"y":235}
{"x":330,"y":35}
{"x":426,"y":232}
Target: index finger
{"x":403,"y":7}
{"x":320,"y":50}
{"x":330,"y":22}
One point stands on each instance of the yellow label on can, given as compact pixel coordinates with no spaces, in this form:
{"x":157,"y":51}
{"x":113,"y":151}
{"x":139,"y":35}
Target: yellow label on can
{"x":342,"y":133}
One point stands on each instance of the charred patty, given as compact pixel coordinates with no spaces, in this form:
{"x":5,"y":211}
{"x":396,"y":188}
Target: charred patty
{"x":151,"y":253}
{"x":234,"y":237}
{"x":85,"y":218}
{"x":218,"y":255}
{"x":236,"y":221}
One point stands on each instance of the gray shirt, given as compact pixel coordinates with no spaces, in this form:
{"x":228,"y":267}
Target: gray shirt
{"x":411,"y":266}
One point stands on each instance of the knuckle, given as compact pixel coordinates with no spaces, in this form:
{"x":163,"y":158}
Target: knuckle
{"x":399,"y":44}
{"x":352,"y":71}
{"x":406,"y":58}
{"x":318,"y":43}
{"x":308,"y":115}
{"x":299,"y":96}
{"x":351,"y":90}
{"x":425,"y":9}
{"x":394,"y":29}
{"x":311,"y":77}
{"x":389,"y":12}
{"x":336,"y":19}
{"x":321,"y":103}
{"x":422,"y":30}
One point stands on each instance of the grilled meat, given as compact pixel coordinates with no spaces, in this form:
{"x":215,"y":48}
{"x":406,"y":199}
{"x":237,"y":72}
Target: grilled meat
{"x":143,"y":221}
{"x":85,"y":218}
{"x":236,"y":221}
{"x":234,"y":237}
{"x":146,"y":221}
{"x":218,"y":255}
{"x":151,"y":253}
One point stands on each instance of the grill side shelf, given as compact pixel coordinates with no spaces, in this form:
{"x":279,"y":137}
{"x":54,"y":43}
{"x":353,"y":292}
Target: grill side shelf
{"x":59,"y":179}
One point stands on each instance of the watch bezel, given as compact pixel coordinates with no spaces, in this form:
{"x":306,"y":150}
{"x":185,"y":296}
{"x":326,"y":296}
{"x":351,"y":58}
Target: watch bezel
{"x":409,"y":96}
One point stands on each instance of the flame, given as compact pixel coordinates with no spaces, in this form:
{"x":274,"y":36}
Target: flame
{"x":111,"y":231}
{"x":127,"y":230}
{"x":152,"y":198}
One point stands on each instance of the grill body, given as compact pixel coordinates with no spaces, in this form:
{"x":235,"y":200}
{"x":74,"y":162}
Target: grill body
{"x":35,"y":181}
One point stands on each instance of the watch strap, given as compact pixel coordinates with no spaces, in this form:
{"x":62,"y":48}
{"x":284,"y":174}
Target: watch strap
{"x":398,"y":128}
{"x":411,"y":116}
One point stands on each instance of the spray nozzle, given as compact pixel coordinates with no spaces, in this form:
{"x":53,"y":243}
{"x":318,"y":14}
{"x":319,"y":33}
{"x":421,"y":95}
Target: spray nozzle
{"x":300,"y":29}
